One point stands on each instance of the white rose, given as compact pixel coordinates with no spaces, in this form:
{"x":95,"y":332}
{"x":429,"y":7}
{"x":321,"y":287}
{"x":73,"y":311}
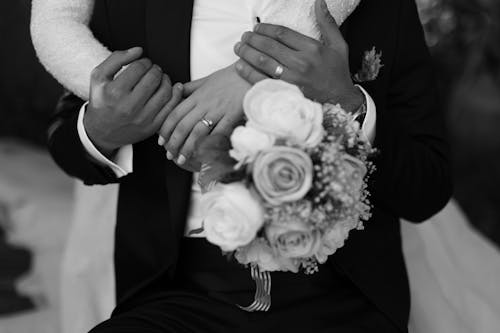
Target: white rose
{"x":280,"y":108}
{"x":332,"y":240}
{"x":293,"y":239}
{"x":248,"y":141}
{"x":232,"y":216}
{"x":260,"y":253}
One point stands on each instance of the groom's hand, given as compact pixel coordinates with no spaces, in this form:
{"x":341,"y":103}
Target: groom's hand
{"x":128,"y":107}
{"x":321,"y":70}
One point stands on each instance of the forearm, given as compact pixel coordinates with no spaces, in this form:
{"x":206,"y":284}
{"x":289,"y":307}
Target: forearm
{"x":64,"y":43}
{"x":413,"y":177}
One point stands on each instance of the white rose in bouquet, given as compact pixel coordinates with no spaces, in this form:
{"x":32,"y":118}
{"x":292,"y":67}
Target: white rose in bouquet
{"x":332,"y":240}
{"x":280,"y":108}
{"x":261,"y":254}
{"x":248,"y":141}
{"x":233,"y":215}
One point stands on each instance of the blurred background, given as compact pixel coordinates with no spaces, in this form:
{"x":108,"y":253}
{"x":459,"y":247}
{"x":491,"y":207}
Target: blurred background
{"x":36,"y":198}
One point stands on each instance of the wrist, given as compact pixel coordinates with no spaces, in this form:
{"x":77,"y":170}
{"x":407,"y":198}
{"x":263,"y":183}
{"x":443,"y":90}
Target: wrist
{"x":104,"y":148}
{"x":353,"y":100}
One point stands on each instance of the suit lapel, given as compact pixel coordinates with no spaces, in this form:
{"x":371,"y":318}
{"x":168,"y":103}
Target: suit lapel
{"x":168,"y":44}
{"x":168,"y":36}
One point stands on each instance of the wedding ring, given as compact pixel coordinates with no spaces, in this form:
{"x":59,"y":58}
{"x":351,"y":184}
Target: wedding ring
{"x":278,"y":72}
{"x":208,"y":123}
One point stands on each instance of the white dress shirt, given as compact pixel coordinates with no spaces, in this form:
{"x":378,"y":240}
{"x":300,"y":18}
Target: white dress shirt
{"x":217,"y":25}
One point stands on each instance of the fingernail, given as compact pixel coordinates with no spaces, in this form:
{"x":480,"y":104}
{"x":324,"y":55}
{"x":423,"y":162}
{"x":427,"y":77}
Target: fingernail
{"x":237,"y":47}
{"x":181,"y":160}
{"x":169,"y":156}
{"x":179,"y":86}
{"x":239,"y":66}
{"x":161,"y":140}
{"x":257,"y":26}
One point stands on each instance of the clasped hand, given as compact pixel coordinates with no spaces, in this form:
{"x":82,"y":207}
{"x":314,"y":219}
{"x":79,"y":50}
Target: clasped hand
{"x":130,"y":104}
{"x":140,"y":101}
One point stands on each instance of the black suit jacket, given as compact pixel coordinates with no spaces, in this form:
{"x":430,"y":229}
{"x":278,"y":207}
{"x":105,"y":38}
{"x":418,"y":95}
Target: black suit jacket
{"x":412,"y":180}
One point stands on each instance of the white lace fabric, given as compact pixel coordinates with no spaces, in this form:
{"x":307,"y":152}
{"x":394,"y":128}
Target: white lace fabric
{"x":299,"y":15}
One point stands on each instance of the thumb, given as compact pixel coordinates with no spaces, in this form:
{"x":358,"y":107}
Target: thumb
{"x":109,"y":68}
{"x":327,"y":25}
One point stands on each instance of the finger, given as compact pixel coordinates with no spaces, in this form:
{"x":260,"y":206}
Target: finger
{"x":146,"y":87}
{"x":226,"y":125}
{"x":248,"y":73}
{"x":129,"y":77}
{"x":106,"y":71}
{"x":199,"y":131}
{"x":181,"y":132}
{"x":286,"y":36}
{"x":268,"y":46}
{"x":192,"y":86}
{"x":155,"y":104}
{"x":161,"y":117}
{"x":173,"y":118}
{"x":264,"y":63}
{"x":329,"y":28}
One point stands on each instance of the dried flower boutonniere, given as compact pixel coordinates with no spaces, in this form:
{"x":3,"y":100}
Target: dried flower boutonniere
{"x":370,"y":67}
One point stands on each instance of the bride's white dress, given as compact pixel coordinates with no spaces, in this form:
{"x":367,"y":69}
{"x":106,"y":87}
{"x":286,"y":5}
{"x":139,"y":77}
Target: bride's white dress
{"x":454,"y":275}
{"x":453,"y":270}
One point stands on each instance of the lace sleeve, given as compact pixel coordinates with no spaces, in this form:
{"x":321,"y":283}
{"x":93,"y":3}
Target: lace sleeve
{"x":64,"y":43}
{"x":299,"y":15}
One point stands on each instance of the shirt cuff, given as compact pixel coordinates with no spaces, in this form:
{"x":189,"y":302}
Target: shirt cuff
{"x":121,"y":163}
{"x":370,"y":122}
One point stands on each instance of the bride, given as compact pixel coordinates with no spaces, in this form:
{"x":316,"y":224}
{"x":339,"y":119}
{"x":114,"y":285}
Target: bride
{"x":72,"y":65}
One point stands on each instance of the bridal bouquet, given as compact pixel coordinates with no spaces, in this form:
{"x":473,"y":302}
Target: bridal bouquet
{"x":284,"y":191}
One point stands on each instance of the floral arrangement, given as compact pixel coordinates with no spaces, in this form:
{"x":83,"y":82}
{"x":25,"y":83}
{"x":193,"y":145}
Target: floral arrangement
{"x":284,"y":191}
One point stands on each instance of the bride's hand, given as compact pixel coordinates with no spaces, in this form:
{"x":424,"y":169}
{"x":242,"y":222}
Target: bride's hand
{"x":212,"y":105}
{"x":321,"y":70}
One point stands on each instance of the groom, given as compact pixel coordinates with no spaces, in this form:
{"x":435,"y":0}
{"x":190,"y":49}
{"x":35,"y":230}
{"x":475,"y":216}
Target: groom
{"x":412,"y":178}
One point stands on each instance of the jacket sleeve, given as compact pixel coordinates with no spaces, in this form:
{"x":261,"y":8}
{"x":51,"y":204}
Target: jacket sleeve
{"x":67,"y":149}
{"x":413,"y":177}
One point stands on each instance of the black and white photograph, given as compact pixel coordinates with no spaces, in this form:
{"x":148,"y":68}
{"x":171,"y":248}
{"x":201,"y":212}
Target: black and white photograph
{"x":212,"y":166}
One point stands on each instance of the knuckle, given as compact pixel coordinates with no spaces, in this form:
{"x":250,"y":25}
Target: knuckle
{"x":245,"y":71}
{"x":180,"y":129}
{"x":138,"y":121}
{"x":280,"y":33}
{"x":113,"y":92}
{"x":316,"y":48}
{"x":303,"y":66}
{"x":262,"y":60}
{"x":244,"y":50}
{"x":96,"y":74}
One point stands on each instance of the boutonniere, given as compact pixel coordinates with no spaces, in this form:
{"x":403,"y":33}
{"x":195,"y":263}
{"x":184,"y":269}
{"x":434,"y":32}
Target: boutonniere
{"x":370,"y":67}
